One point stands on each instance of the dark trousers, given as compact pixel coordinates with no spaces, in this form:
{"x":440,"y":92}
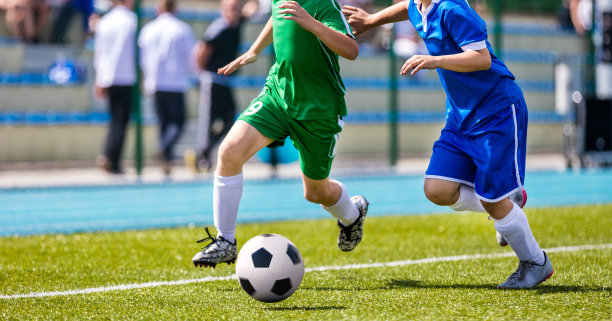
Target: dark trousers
{"x":170,"y":109}
{"x":222,"y":108}
{"x":62,"y":21}
{"x":120,"y":103}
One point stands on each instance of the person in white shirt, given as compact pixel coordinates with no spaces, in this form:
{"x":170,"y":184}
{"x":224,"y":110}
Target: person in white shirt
{"x":115,"y":76}
{"x":166,"y":46}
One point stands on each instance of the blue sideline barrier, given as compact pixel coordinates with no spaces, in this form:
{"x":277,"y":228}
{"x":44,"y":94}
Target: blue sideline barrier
{"x":33,"y":79}
{"x":378,"y":83}
{"x":42,"y":118}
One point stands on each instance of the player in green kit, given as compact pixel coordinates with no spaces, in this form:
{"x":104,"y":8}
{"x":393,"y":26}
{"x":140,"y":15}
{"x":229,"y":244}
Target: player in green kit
{"x":303,"y":99}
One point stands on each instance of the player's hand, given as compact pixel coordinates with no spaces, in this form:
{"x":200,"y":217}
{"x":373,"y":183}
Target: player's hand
{"x":418,"y":62}
{"x":293,"y":11}
{"x":99,"y":91}
{"x":246,"y":58}
{"x":357,"y":18}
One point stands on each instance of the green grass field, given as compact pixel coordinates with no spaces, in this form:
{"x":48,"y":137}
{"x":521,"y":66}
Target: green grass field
{"x":460,"y":289}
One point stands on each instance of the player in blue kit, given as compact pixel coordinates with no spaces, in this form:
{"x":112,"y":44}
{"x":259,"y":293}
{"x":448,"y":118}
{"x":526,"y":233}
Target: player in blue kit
{"x":478,"y":162}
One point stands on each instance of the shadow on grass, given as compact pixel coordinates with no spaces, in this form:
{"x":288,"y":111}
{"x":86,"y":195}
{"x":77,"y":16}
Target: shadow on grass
{"x":544,"y":288}
{"x":333,"y":307}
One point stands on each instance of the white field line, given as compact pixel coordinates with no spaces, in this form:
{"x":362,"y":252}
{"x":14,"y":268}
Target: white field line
{"x":123,"y":287}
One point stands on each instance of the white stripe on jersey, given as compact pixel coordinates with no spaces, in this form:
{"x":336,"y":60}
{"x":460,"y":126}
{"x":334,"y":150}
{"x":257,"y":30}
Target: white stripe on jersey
{"x":475,"y":45}
{"x":331,"y":64}
{"x":349,"y":31}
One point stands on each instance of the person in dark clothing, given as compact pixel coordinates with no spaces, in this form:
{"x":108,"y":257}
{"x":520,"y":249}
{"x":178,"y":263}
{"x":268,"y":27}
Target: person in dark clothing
{"x":66,"y":11}
{"x":218,"y":47}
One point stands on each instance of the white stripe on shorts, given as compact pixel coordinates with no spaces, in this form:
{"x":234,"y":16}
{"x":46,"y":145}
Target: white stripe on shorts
{"x":206,"y":82}
{"x":517,"y":173}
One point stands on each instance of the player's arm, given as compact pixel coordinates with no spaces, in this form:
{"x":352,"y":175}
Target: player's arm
{"x":338,"y":42}
{"x":467,"y":61}
{"x":98,"y":90}
{"x":362,"y":21}
{"x":250,"y":56}
{"x":574,"y":16}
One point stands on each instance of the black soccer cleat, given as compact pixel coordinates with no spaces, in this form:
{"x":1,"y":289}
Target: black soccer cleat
{"x":219,"y":250}
{"x":350,"y":236}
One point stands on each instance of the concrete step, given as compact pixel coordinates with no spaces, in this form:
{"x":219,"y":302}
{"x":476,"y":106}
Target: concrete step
{"x":416,"y":98}
{"x":45,"y":97}
{"x":39,"y":57}
{"x":11,"y":57}
{"x":83,"y":142}
{"x":362,"y":94}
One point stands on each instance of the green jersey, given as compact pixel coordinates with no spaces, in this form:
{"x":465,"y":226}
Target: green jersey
{"x":306,"y":74}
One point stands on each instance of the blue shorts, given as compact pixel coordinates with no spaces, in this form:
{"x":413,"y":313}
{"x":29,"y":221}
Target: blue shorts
{"x":489,"y":156}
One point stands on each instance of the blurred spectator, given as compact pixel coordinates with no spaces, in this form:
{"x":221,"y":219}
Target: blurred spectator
{"x":480,"y":6}
{"x":26,"y":19}
{"x":166,"y":44}
{"x":369,"y":39}
{"x":564,"y":16}
{"x":218,"y":47}
{"x":407,"y":40}
{"x":258,"y":10}
{"x":115,"y":69}
{"x":65,"y":14}
{"x":581,"y":14}
{"x":64,"y":71}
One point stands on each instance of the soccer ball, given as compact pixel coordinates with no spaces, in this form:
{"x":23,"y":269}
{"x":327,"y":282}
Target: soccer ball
{"x":269,"y":267}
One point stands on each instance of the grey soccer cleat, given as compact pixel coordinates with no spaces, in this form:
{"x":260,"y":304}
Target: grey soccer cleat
{"x":519,"y":198}
{"x":528,"y":275}
{"x":219,"y":250}
{"x":350,"y":236}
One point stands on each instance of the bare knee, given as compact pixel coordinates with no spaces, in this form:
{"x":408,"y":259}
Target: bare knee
{"x":434,"y":195}
{"x":229,"y":159}
{"x":325,"y":192}
{"x":498,"y":210}
{"x":441,"y":192}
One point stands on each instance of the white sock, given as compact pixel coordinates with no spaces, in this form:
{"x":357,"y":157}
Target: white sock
{"x":515,"y":229}
{"x":344,"y":210}
{"x":467,"y":200}
{"x":227,"y":192}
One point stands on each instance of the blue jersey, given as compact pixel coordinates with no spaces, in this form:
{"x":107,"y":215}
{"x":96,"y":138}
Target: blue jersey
{"x":450,"y":27}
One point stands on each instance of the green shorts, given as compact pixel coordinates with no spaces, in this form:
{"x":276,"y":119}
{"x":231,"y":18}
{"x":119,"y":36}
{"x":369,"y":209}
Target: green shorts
{"x":315,"y":139}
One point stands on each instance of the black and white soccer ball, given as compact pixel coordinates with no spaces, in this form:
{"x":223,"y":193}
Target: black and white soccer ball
{"x":269,"y":267}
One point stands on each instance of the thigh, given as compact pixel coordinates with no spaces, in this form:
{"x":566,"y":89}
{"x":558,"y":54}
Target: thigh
{"x":160,"y":106}
{"x":120,"y":101}
{"x":449,"y":161}
{"x":175,"y":106}
{"x":242,"y":142}
{"x":266,"y":115}
{"x":316,"y":142}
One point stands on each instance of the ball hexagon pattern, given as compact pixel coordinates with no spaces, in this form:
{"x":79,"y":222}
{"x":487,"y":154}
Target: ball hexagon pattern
{"x":269,"y":267}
